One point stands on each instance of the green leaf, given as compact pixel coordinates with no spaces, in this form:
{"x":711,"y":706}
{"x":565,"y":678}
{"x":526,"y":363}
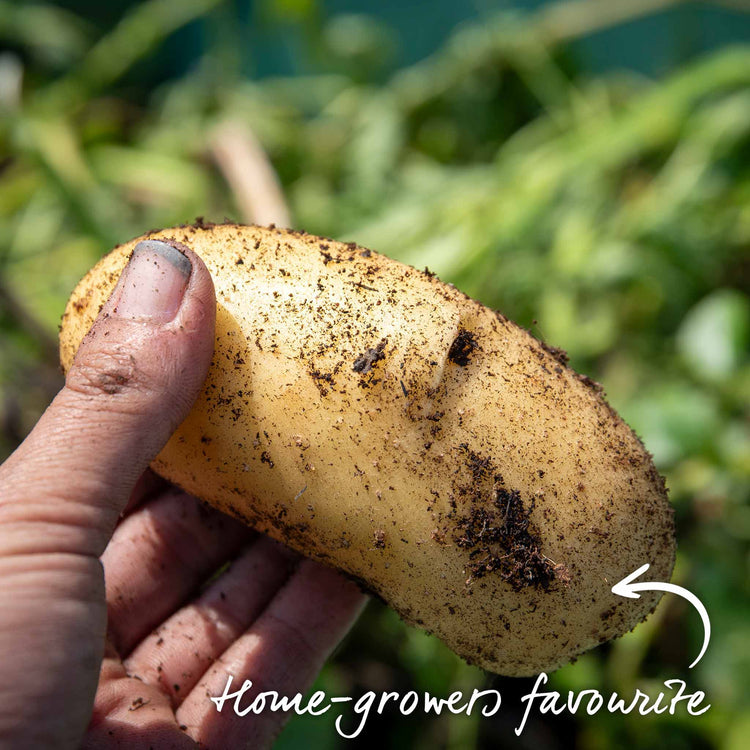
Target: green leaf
{"x":674,"y":420}
{"x":713,"y":337}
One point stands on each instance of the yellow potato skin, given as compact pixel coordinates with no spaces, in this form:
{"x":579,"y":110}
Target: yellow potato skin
{"x":376,"y":419}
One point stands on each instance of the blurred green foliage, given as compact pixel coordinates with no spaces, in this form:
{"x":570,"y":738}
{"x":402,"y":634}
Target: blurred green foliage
{"x":609,"y":214}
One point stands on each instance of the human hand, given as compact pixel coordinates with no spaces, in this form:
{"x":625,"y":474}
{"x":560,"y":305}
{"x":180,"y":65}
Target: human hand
{"x":90,"y":545}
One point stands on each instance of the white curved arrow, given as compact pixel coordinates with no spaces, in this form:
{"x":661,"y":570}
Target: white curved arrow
{"x":627,"y":588}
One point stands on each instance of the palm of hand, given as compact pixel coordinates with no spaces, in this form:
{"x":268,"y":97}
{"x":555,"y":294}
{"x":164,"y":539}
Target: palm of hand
{"x":176,"y":630}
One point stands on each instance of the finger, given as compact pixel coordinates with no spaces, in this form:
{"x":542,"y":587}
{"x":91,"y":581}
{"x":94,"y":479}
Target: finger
{"x":132,"y":382}
{"x":282,"y":651}
{"x":148,"y":486}
{"x":177,"y":655}
{"x":131,"y":715}
{"x":157,"y":558}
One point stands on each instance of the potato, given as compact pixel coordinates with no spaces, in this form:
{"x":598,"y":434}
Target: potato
{"x":376,"y":419}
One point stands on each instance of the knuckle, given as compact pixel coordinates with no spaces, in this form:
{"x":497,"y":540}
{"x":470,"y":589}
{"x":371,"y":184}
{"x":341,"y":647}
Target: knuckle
{"x":107,"y":372}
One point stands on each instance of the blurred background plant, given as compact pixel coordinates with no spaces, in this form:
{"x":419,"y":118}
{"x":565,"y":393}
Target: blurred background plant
{"x":583,"y":167}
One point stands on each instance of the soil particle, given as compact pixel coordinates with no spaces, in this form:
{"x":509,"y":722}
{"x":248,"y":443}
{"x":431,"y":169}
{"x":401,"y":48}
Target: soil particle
{"x":502,"y":540}
{"x":323,"y":380}
{"x":590,"y":383}
{"x":498,"y":530}
{"x":112,"y":382}
{"x":462,"y":347}
{"x":559,"y":354}
{"x":81,"y":303}
{"x":365,"y":362}
{"x":607,"y":614}
{"x":138,"y":703}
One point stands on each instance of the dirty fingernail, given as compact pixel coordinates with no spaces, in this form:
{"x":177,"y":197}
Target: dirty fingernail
{"x":153,"y":283}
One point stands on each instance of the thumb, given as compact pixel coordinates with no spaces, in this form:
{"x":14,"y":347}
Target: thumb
{"x":133,"y":380}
